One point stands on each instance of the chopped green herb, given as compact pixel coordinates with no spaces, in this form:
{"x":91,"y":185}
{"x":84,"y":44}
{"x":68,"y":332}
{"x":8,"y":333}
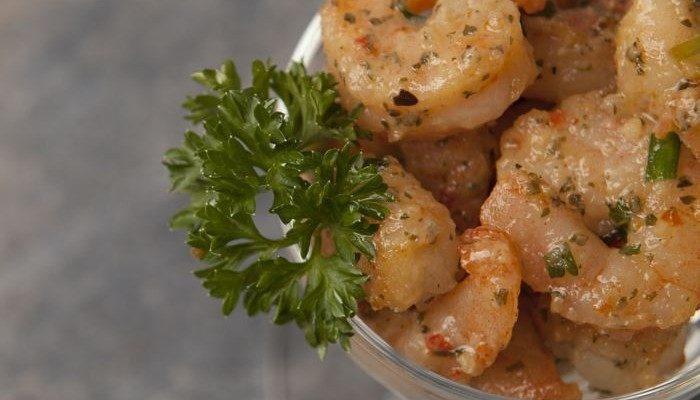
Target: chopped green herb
{"x":469,"y":30}
{"x":662,"y":160}
{"x":579,"y":238}
{"x":631,"y":249}
{"x":621,"y":212}
{"x":421,"y":316}
{"x":650,"y":220}
{"x":688,"y":200}
{"x":622,"y":302}
{"x":534,"y":184}
{"x":635,"y":54}
{"x":576,"y":200}
{"x":560,"y":260}
{"x":685,"y":84}
{"x":650,"y":296}
{"x":684,"y":182}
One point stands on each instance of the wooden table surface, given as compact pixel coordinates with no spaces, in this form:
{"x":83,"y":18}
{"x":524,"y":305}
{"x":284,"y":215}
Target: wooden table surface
{"x":96,"y":298}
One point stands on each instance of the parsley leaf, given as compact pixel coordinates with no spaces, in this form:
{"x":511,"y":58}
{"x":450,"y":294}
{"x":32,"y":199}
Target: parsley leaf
{"x":323,"y":188}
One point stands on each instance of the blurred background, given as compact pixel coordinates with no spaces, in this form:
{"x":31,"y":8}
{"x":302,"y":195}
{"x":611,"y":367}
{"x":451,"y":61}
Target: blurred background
{"x":96,"y":296}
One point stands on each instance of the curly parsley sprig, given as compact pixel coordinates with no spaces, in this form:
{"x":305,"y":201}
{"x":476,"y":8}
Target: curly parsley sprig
{"x":246,"y":148}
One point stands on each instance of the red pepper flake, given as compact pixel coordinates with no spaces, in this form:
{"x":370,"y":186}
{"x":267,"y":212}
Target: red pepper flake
{"x":672,"y":217}
{"x":436,"y":342}
{"x":556,"y":117}
{"x":367,"y":43}
{"x":457,"y":373}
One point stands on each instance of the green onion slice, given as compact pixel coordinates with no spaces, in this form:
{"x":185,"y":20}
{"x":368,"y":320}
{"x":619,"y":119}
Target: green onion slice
{"x":662,"y":161}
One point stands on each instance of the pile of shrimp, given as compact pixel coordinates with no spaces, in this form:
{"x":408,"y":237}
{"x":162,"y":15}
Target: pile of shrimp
{"x":543,"y":159}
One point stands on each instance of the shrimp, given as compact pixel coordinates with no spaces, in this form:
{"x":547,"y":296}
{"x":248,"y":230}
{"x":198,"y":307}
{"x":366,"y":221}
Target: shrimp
{"x":525,"y":369}
{"x":614,"y":361}
{"x":531,"y":6}
{"x":574,"y":46}
{"x":416,"y":247}
{"x":650,"y":77}
{"x":458,"y":170}
{"x":613,"y":249}
{"x":425,"y":78}
{"x":460,"y":333}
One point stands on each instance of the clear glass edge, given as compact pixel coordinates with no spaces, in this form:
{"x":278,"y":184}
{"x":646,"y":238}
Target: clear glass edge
{"x":684,"y":385}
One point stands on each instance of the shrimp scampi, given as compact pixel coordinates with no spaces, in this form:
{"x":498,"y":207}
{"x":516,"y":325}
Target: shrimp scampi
{"x":578,"y":191}
{"x":458,"y":170}
{"x":461,"y":332}
{"x":616,"y":361}
{"x":425,"y":77}
{"x":666,"y":87}
{"x":417,"y":255}
{"x":526,"y":369}
{"x":574,"y":47}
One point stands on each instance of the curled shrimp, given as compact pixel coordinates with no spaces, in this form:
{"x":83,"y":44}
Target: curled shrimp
{"x":460,"y":333}
{"x":458,"y":170}
{"x":574,"y":46}
{"x":426,"y":77}
{"x":652,"y":79}
{"x":614,"y":361}
{"x":525,"y":369}
{"x":416,"y":246}
{"x":615,"y":250}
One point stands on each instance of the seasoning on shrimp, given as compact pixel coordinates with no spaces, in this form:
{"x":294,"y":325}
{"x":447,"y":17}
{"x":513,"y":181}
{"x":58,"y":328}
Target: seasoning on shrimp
{"x":574,"y":47}
{"x":642,"y":237}
{"x":652,"y":79}
{"x":616,"y":361}
{"x":426,"y":77}
{"x":416,"y":251}
{"x":458,"y":170}
{"x":460,"y":333}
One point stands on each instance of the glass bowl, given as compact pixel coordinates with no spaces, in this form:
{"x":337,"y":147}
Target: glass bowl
{"x":410,"y":381}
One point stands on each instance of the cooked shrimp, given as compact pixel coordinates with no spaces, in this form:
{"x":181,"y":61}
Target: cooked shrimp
{"x":416,"y":247}
{"x":574,"y":46}
{"x":460,"y":333}
{"x":425,"y":78}
{"x":458,"y":170}
{"x":525,"y":369}
{"x":531,"y":6}
{"x":570,"y":177}
{"x":650,"y":77}
{"x":614,"y":361}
